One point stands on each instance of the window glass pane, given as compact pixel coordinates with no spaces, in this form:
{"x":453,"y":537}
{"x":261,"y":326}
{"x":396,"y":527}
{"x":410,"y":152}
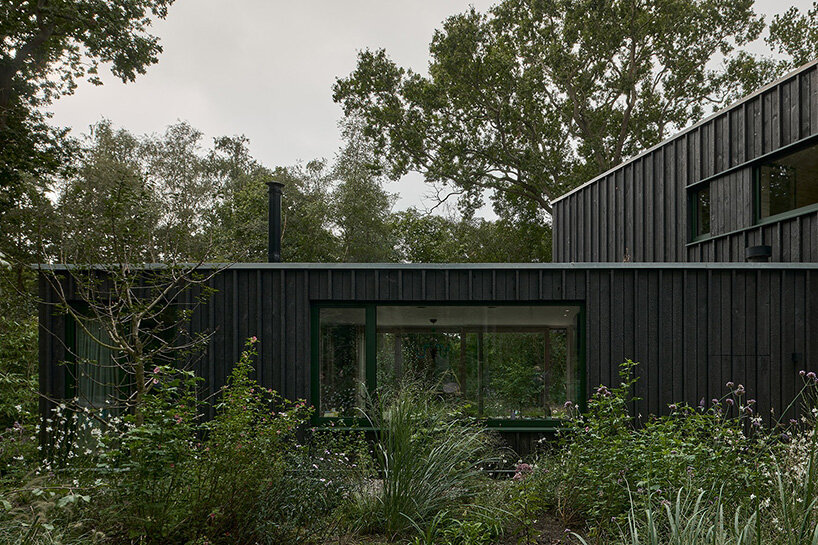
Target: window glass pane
{"x":789,"y":183}
{"x":98,"y":376}
{"x":342,"y":359}
{"x":702,"y":212}
{"x":500,"y":361}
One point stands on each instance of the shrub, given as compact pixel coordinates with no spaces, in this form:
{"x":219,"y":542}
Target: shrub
{"x":606,"y":456}
{"x":175,"y":479}
{"x":427,"y":458}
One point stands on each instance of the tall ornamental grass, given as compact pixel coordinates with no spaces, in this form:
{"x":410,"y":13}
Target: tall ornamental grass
{"x":427,"y":461}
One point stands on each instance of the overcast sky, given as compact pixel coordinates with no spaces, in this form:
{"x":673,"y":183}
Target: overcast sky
{"x":265,"y":69}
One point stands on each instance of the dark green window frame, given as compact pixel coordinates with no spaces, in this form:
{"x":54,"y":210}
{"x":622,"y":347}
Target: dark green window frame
{"x":757,"y":198}
{"x":71,"y":354}
{"x":698,"y":230}
{"x":370,"y":344}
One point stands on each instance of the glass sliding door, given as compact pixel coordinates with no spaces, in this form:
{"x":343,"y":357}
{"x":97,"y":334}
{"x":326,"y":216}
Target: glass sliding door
{"x":342,"y":362}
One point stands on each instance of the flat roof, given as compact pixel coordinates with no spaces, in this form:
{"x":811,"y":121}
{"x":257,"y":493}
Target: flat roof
{"x":696,"y":125}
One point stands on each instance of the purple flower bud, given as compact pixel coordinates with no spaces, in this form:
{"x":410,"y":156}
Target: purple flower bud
{"x":729,"y":401}
{"x":730,"y":384}
{"x":802,"y":372}
{"x":811,"y":375}
{"x":751,"y":402}
{"x":740,"y":389}
{"x":715,"y":401}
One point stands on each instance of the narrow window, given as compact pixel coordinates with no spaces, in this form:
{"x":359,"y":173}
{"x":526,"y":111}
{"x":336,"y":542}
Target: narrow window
{"x":788,"y":183}
{"x":98,"y":378}
{"x":701,"y":212}
{"x":342,"y":362}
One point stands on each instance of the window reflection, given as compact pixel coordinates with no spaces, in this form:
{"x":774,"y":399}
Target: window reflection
{"x":788,"y":183}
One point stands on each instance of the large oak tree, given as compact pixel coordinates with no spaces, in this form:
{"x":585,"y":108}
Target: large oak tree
{"x":528,"y":100}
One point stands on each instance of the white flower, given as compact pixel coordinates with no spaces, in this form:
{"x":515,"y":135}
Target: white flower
{"x":18,"y":408}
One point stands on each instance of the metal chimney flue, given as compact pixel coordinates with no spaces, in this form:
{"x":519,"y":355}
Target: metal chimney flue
{"x":274,"y":223}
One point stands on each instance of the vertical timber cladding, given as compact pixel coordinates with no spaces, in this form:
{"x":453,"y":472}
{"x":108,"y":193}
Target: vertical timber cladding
{"x":643,"y":212}
{"x":692,"y":327}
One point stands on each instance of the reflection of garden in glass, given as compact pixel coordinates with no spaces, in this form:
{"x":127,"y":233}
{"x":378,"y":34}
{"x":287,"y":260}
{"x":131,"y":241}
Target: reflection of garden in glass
{"x":514,"y":363}
{"x":788,"y":183}
{"x":342,"y":361}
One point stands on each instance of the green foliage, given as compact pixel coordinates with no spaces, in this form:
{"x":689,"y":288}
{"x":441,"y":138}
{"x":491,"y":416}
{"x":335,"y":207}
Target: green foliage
{"x":425,"y":238}
{"x":533,"y":97}
{"x":606,"y":456}
{"x":174,"y":478}
{"x":427,"y":459}
{"x":18,"y":372}
{"x":689,"y":520}
{"x":46,"y":47}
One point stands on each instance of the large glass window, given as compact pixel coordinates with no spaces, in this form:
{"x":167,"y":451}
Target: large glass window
{"x":701,"y":212}
{"x":501,"y":362}
{"x":342,"y":361}
{"x":788,"y":183}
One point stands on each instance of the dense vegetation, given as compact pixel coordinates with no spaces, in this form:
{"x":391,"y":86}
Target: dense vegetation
{"x":508,"y":115}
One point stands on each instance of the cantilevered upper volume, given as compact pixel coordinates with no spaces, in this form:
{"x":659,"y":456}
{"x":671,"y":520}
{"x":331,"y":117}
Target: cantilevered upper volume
{"x":739,"y":185}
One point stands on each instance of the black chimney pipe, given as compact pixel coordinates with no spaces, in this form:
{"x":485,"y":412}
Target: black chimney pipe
{"x":274,"y":223}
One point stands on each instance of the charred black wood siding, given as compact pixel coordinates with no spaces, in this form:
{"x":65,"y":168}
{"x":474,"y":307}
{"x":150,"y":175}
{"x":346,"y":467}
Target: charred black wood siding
{"x":642,"y":213}
{"x":693,"y":327}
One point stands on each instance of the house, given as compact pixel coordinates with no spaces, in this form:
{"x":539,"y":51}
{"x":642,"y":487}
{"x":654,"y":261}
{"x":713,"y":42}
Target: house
{"x":696,"y":258}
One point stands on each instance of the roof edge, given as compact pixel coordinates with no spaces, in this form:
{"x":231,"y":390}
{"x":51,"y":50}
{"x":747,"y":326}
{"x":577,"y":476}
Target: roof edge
{"x":696,"y":125}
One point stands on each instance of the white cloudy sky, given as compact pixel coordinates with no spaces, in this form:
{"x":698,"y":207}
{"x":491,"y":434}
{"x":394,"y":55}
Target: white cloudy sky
{"x":265,"y":68}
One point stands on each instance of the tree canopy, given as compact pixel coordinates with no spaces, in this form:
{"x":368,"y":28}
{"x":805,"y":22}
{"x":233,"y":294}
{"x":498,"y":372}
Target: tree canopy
{"x":532,"y":98}
{"x":45,"y":47}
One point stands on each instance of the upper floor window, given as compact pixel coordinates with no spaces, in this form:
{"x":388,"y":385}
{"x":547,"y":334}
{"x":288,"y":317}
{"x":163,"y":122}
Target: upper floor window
{"x":787,"y":183}
{"x":701,"y":212}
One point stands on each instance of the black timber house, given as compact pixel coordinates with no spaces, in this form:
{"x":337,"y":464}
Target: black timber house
{"x":696,"y":258}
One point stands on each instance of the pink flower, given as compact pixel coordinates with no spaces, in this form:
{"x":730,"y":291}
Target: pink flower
{"x":156,"y":381}
{"x":156,"y":370}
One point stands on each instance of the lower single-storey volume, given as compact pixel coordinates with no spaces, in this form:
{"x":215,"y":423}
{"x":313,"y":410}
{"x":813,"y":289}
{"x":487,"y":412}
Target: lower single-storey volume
{"x":513,"y":341}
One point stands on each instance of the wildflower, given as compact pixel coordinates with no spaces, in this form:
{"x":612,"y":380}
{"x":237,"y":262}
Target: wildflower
{"x":729,"y":401}
{"x":672,"y":407}
{"x":730,"y":384}
{"x":740,"y":389}
{"x":156,"y":370}
{"x":802,"y":372}
{"x":811,"y":375}
{"x":568,"y":404}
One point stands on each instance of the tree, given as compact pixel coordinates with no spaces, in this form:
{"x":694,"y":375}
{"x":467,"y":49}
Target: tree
{"x":536,"y":96}
{"x":425,"y":238}
{"x":46,"y":46}
{"x":119,"y":216}
{"x":361,"y":207}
